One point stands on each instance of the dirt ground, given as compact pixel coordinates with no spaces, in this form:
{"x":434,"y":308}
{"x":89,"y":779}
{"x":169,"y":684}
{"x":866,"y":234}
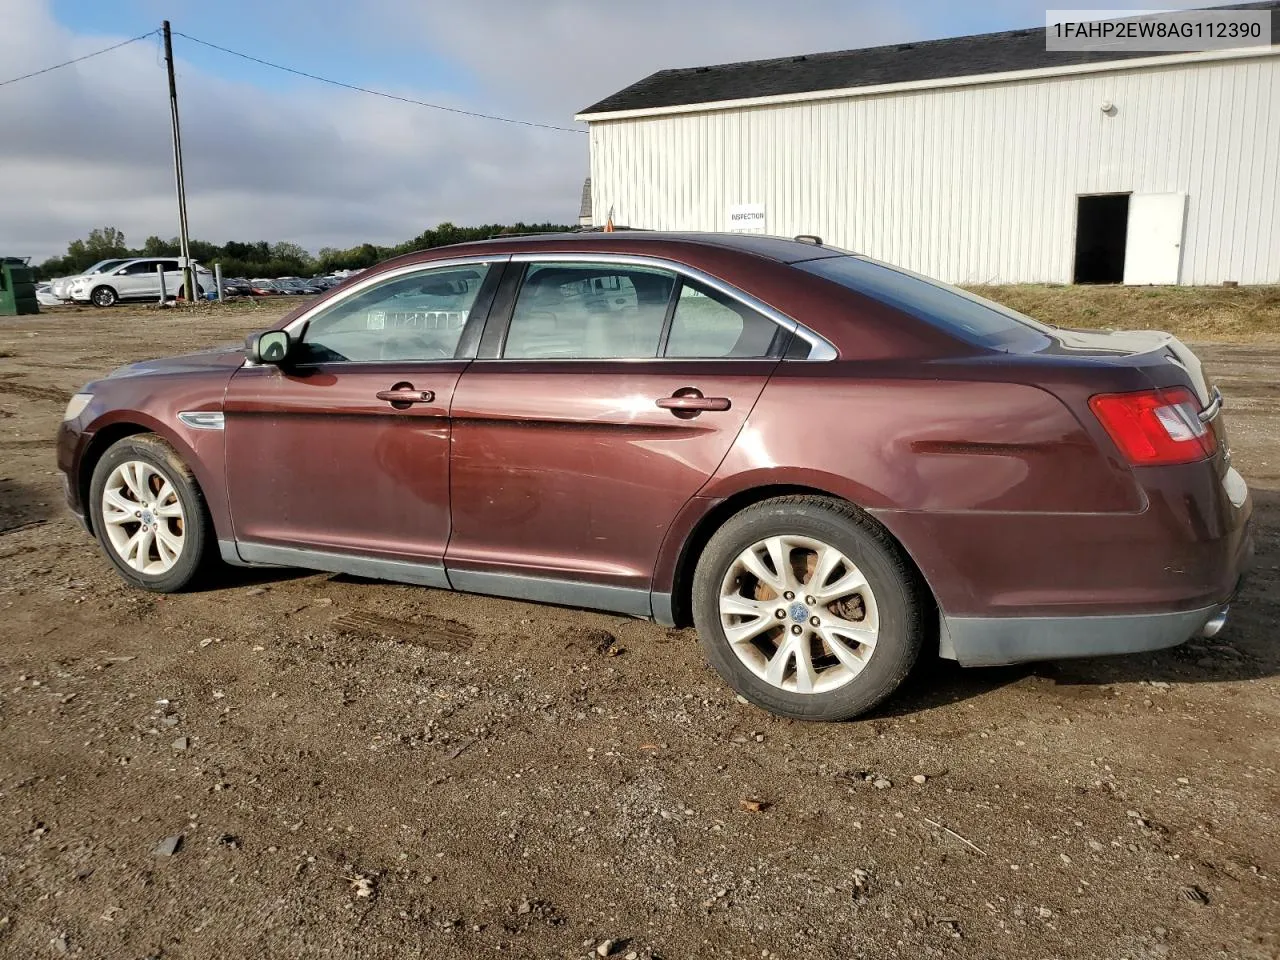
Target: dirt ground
{"x":368,"y":770}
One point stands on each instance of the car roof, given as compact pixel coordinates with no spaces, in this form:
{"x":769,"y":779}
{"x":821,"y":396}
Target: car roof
{"x":782,"y":249}
{"x":778,"y":249}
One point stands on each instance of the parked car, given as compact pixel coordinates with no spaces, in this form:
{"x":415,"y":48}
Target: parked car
{"x":61,"y":287}
{"x":236,"y":287}
{"x":296,"y":286}
{"x":827,"y":464}
{"x":263,"y":288}
{"x":138,"y":279}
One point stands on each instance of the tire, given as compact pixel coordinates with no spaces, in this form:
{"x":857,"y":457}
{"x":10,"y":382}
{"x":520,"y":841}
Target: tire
{"x":180,"y":512}
{"x":845,"y":676}
{"x":103,"y":297}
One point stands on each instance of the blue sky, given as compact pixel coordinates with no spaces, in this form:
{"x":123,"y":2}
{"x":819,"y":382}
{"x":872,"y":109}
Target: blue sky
{"x":279,"y":157}
{"x":319,"y":38}
{"x":339,"y":40}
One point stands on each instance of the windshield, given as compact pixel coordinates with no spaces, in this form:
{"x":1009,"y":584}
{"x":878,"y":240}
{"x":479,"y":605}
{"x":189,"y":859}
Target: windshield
{"x":102,"y":265}
{"x":957,"y":311}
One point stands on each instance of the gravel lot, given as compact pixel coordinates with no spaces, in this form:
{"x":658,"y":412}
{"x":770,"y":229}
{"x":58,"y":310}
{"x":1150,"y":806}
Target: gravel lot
{"x":368,"y":770}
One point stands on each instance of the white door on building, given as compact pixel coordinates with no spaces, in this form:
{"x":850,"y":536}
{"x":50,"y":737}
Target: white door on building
{"x":1153,"y":249}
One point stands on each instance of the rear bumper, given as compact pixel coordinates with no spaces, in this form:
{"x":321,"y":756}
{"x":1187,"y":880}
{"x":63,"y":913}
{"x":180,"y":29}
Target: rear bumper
{"x":1185,"y":552}
{"x":976,"y":641}
{"x":1016,"y":588}
{"x":992,"y":641}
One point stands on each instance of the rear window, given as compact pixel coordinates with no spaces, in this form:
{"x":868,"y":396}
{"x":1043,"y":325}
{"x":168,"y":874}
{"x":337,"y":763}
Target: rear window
{"x":969,"y":317}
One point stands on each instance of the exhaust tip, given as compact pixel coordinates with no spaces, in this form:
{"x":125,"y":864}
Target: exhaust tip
{"x":1215,"y":624}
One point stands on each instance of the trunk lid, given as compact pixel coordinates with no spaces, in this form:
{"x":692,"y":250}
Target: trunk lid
{"x":1165,"y":359}
{"x":1162,"y":360}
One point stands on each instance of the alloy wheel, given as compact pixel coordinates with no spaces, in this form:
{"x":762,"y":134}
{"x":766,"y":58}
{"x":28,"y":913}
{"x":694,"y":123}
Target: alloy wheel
{"x":799,"y":614}
{"x":143,"y":517}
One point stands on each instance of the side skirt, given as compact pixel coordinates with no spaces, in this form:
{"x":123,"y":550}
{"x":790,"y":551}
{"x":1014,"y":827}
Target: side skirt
{"x":568,"y":593}
{"x":422,"y":574}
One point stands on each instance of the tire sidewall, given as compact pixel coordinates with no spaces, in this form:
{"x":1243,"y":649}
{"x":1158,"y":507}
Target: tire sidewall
{"x":172,"y":468}
{"x":899,"y":640}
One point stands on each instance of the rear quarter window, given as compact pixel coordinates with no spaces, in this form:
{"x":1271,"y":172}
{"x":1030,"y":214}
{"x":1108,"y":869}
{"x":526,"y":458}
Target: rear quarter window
{"x":967,"y":316}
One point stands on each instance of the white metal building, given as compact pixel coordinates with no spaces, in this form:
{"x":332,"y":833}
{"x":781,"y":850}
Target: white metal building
{"x":974,"y":160}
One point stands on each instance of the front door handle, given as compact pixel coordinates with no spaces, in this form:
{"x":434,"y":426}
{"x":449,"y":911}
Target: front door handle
{"x":402,"y":396}
{"x":687,"y":402}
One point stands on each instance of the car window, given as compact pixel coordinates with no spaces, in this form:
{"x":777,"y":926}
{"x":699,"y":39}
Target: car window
{"x":137,"y":269}
{"x":169,"y":265}
{"x":710,"y":324}
{"x":587,"y":311}
{"x":418,"y":316}
{"x":963,"y":314}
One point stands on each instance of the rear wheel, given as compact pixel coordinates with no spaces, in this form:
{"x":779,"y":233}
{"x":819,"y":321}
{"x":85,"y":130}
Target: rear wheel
{"x":808,"y":608}
{"x":149,"y":514}
{"x":103,"y":297}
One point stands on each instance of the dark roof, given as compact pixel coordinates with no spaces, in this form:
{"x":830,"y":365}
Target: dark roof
{"x":896,"y":63}
{"x":760,"y":245}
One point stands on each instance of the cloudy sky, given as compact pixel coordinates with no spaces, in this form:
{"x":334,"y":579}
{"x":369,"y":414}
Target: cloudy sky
{"x":279,"y":157}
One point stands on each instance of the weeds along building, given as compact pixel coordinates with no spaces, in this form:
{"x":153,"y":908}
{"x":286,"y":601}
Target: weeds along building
{"x":983,"y":159}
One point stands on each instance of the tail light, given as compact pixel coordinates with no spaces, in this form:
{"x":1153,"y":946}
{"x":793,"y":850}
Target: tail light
{"x":1155,"y":427}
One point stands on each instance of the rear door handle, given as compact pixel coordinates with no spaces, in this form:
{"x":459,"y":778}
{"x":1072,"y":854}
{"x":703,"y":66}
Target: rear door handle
{"x":687,"y":402}
{"x":402,"y":395}
{"x":694,"y":403}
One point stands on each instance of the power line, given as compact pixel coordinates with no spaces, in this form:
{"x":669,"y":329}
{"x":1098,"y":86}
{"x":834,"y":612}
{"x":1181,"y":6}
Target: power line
{"x":376,"y":93}
{"x":87,"y":56}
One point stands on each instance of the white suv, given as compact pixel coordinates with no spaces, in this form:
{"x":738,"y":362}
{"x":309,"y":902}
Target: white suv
{"x":61,"y":287}
{"x":138,"y":279}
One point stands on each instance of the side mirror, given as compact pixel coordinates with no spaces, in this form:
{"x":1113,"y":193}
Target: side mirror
{"x":269,"y":347}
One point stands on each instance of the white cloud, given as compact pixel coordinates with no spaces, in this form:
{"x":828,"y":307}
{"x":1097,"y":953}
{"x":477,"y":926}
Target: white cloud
{"x":562,"y":55}
{"x":320,"y":166}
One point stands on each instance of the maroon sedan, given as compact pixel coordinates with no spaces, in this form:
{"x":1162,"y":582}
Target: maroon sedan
{"x":826,"y":464}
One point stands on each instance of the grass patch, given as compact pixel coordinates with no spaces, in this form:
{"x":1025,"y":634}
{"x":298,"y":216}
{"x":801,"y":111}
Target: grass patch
{"x":1189,"y":313}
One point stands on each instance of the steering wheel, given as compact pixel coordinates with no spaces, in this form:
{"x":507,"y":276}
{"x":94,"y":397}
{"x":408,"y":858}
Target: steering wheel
{"x":412,"y":347}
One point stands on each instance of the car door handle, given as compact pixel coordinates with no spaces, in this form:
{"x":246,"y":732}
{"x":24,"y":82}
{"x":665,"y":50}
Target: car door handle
{"x":403,"y":394}
{"x":689,"y":402}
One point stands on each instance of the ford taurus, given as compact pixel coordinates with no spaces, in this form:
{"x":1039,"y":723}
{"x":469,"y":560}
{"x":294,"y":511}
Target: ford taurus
{"x":826,"y":464}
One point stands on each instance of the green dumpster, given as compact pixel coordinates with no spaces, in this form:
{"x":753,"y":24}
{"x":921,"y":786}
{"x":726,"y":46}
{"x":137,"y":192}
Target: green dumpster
{"x":17,"y":287}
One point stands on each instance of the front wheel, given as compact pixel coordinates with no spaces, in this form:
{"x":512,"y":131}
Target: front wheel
{"x":103,"y":297}
{"x":808,"y":608}
{"x":149,"y":514}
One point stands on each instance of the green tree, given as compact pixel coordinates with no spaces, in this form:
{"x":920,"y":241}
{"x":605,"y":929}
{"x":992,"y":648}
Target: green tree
{"x":153,"y":246}
{"x":262,"y":259}
{"x":106,"y":242}
{"x":285,"y":250}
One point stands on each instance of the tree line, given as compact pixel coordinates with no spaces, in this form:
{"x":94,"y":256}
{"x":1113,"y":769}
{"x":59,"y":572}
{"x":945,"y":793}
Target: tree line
{"x":263,"y":259}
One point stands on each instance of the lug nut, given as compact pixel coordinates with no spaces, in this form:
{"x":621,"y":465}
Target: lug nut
{"x":788,"y":595}
{"x":780,"y":614}
{"x":810,"y":601}
{"x":815,"y":621}
{"x":796,"y":629}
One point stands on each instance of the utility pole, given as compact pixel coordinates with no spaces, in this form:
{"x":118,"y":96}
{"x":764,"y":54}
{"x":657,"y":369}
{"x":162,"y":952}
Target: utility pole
{"x":188,"y":278}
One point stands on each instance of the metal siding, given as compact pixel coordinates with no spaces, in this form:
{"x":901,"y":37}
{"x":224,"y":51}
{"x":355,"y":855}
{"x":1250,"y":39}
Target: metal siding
{"x":972,"y":184}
